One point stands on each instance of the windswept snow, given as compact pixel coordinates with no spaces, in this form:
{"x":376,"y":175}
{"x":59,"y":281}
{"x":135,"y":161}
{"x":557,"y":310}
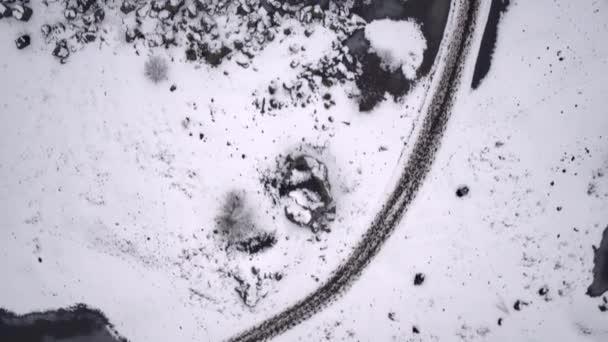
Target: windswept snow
{"x":399,"y":43}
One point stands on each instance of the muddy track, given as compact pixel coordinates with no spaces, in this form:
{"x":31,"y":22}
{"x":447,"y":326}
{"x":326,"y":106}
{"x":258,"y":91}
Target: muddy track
{"x":415,"y":170}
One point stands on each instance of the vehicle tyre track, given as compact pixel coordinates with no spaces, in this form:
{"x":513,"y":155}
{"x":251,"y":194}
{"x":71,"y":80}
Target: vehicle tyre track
{"x":415,"y":170}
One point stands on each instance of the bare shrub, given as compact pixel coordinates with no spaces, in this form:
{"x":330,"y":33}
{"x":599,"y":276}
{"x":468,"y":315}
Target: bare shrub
{"x":156,"y":69}
{"x":235,"y":219}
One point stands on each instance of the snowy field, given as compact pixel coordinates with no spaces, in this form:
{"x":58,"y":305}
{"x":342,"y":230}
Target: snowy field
{"x":191,"y":199}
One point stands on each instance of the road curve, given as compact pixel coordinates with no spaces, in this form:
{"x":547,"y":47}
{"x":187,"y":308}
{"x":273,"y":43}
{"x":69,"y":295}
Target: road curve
{"x":463,"y":15}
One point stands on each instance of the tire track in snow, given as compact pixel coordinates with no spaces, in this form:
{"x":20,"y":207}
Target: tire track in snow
{"x":415,"y":170}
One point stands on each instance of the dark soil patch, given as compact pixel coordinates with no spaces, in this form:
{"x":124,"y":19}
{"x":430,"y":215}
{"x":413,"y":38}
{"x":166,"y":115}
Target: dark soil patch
{"x":488,"y":42}
{"x":77,"y":323}
{"x":600,"y":269}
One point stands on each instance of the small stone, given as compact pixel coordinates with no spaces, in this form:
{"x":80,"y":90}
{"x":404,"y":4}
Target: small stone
{"x":22,"y":13}
{"x":462,"y":191}
{"x":415,"y":330}
{"x":518,"y":305}
{"x":61,"y":51}
{"x":418,"y":279}
{"x":5,"y":11}
{"x":23,"y":42}
{"x":127,"y":7}
{"x":46,"y":30}
{"x":173,"y":88}
{"x":100,"y":15}
{"x":70,"y":14}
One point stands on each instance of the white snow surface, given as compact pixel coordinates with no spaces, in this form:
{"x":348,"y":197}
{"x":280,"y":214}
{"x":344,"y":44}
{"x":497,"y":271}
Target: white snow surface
{"x":399,"y":44}
{"x":101,"y":179}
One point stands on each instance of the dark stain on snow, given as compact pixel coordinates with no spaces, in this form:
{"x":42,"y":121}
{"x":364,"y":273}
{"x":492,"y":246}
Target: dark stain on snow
{"x":488,"y":42}
{"x":75,"y":324}
{"x":600,"y":269}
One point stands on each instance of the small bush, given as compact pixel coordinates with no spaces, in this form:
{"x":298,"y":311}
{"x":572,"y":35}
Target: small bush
{"x":156,"y":69}
{"x":235,"y":219}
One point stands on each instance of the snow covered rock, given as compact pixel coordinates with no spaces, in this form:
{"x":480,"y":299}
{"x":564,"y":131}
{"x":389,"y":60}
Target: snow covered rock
{"x":21,"y":12}
{"x":5,"y":11}
{"x":398,"y":43}
{"x":61,"y":51}
{"x":306,"y":192}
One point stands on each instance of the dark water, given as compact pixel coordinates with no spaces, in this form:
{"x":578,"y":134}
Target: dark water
{"x":374,"y":81}
{"x":488,"y":42}
{"x":599,"y":286}
{"x":430,"y":14}
{"x":75,"y":324}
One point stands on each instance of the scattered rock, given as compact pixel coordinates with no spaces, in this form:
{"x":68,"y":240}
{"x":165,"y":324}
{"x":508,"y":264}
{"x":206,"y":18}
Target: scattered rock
{"x":419,"y":279}
{"x":519,"y":304}
{"x":23,"y":41}
{"x":257,"y":243}
{"x":462,"y":191}
{"x":5,"y":11}
{"x":61,"y":51}
{"x":21,"y":12}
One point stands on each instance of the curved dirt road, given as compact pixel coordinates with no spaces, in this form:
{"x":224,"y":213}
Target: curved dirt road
{"x":463,"y":18}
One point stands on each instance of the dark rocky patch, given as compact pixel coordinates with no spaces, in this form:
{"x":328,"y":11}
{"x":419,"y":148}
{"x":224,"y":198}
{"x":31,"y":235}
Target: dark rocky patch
{"x":77,"y":323}
{"x":600,"y":269}
{"x":488,"y":42}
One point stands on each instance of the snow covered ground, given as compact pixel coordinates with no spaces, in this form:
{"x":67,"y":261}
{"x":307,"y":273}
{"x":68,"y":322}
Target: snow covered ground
{"x":112,"y":185}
